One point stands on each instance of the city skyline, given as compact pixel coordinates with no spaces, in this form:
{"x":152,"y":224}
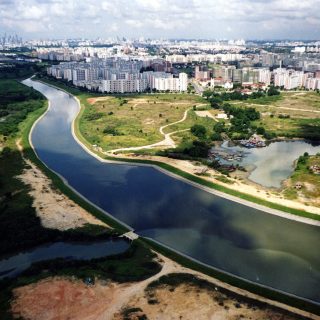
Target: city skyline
{"x":247,"y":19}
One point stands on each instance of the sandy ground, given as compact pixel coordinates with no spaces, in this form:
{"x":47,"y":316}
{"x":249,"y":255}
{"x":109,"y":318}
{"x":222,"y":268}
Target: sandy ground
{"x":94,"y":100}
{"x":239,"y":185}
{"x":190,"y":302}
{"x":205,"y":114}
{"x":55,"y":210}
{"x":65,"y":298}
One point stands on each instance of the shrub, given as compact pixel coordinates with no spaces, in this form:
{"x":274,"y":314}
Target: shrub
{"x":216,"y":136}
{"x":198,"y":130}
{"x":261,"y":130}
{"x":94,"y":116}
{"x":111,"y":131}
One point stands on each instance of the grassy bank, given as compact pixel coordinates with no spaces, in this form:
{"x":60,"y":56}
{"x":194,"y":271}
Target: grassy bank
{"x":306,"y":177}
{"x":174,"y":280}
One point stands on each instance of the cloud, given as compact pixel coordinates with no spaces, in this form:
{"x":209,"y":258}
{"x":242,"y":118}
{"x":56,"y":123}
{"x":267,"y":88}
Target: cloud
{"x":162,"y":18}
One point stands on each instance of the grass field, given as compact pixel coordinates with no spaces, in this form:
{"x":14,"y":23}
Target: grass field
{"x":131,"y":121}
{"x":292,"y":114}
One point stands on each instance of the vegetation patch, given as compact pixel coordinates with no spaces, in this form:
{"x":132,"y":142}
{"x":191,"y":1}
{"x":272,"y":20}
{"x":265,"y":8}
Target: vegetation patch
{"x":305,"y":180}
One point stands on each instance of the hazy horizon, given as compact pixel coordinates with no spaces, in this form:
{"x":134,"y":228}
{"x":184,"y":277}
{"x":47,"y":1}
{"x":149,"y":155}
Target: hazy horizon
{"x":192,"y":19}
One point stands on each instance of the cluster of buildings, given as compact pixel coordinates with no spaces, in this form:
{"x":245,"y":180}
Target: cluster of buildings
{"x":226,"y":76}
{"x":213,"y":58}
{"x":117,"y":75}
{"x":135,"y":65}
{"x":291,"y":79}
{"x":286,"y":78}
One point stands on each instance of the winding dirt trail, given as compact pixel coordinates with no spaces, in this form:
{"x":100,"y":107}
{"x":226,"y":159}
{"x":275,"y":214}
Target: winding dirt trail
{"x":167,"y":142}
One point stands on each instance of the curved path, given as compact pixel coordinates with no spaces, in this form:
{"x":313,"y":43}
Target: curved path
{"x":167,"y":142}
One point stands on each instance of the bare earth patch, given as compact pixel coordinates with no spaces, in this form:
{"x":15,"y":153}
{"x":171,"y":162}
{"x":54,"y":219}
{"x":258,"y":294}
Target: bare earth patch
{"x":205,"y":114}
{"x":94,"y":100}
{"x":66,"y":298}
{"x":59,"y":298}
{"x":55,"y":210}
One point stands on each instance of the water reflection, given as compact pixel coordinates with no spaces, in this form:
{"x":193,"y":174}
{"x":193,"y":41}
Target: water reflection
{"x":233,"y":237}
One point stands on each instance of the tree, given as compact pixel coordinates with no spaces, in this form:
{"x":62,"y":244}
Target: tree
{"x":199,"y":149}
{"x":272,"y":91}
{"x":216,"y":136}
{"x":207,"y":94}
{"x":219,"y":127}
{"x":261,"y":130}
{"x":198,"y":130}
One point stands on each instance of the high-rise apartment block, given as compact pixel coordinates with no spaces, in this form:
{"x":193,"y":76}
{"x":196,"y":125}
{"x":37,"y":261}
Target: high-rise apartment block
{"x":114,"y":75}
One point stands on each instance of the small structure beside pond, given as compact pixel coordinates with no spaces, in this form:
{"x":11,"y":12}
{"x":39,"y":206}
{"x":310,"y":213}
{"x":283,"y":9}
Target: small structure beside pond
{"x":315,"y":169}
{"x":255,"y":141}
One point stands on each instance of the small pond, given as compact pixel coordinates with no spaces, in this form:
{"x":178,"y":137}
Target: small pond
{"x":270,"y":165}
{"x":14,"y":265}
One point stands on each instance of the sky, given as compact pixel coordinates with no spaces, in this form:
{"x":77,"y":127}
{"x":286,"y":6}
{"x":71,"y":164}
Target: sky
{"x":200,"y":19}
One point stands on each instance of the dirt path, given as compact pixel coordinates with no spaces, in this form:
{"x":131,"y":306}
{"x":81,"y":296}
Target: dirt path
{"x":279,"y":107}
{"x":167,"y":142}
{"x":297,"y":109}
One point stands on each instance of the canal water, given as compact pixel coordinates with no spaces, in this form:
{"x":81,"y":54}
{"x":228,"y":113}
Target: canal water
{"x":13,"y":265}
{"x":246,"y":242}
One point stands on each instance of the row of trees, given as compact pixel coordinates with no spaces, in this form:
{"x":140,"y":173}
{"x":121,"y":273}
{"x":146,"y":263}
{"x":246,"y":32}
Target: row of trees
{"x":218,"y":98}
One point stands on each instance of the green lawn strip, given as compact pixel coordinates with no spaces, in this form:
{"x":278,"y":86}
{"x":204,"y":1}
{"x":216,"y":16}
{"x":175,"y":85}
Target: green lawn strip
{"x":234,"y":281}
